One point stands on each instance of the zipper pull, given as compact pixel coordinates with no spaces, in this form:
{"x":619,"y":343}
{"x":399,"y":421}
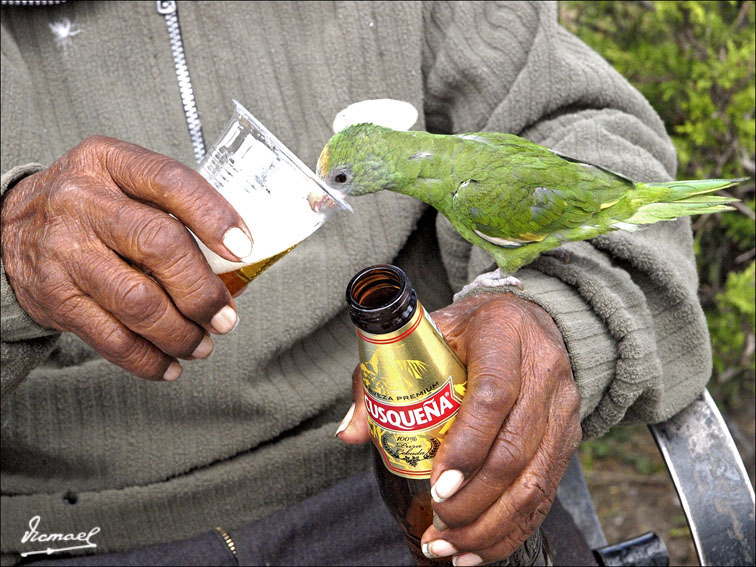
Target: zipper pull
{"x":166,"y":7}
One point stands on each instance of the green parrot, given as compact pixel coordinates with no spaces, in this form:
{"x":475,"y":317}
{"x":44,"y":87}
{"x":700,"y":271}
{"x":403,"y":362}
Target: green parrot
{"x":508,"y":195}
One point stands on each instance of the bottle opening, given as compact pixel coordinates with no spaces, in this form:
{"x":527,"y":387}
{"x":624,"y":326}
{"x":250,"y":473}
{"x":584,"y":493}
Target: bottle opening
{"x":380,"y":299}
{"x":377,"y":289}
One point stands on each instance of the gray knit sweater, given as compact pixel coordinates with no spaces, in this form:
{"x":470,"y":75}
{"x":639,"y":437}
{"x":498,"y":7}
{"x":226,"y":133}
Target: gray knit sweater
{"x":250,"y":430}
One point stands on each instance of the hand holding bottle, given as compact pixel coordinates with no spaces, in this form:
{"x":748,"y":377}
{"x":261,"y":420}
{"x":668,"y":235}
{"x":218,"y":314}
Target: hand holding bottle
{"x":497,"y":471}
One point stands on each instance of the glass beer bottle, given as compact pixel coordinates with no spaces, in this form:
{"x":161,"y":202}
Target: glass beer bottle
{"x":413,"y":384}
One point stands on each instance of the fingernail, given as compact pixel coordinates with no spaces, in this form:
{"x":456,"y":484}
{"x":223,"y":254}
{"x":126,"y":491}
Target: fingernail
{"x":466,"y":559}
{"x":438,"y":548}
{"x":237,"y":242}
{"x":345,"y":422}
{"x":172,"y":372}
{"x":204,"y":348}
{"x":225,"y":320}
{"x":446,"y":485}
{"x":438,"y":523}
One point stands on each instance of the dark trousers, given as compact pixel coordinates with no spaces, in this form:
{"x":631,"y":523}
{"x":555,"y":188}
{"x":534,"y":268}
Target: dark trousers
{"x":344,"y":525}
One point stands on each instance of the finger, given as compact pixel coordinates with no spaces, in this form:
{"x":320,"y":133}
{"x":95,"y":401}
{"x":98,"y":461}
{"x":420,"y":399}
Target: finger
{"x":543,"y":370}
{"x":114,"y":342}
{"x":453,"y":319}
{"x":514,"y":447}
{"x":162,"y":247}
{"x":140,"y":304}
{"x":354,"y":427}
{"x":493,"y":384}
{"x":544,"y":493}
{"x":521,"y":509}
{"x":178,"y":189}
{"x":501,"y":552}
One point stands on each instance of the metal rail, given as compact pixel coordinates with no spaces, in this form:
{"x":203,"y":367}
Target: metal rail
{"x":711,"y":482}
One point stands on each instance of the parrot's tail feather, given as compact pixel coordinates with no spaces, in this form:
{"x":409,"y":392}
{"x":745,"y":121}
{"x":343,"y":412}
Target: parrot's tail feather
{"x":678,"y":190}
{"x":669,"y":211}
{"x":682,"y":198}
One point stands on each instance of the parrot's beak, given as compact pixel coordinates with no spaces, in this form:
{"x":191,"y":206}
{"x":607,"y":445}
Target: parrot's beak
{"x":340,"y":198}
{"x":319,"y":200}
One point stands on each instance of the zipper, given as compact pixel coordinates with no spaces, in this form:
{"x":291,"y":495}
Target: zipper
{"x":169,"y":10}
{"x":228,"y":541}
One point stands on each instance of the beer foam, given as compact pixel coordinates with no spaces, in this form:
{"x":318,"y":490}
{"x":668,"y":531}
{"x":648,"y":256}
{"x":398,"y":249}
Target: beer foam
{"x":280,"y":199}
{"x":277,"y":211}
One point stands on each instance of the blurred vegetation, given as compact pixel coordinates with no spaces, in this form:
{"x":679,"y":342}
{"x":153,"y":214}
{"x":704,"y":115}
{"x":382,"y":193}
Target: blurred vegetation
{"x":694,"y":61}
{"x":626,"y":446}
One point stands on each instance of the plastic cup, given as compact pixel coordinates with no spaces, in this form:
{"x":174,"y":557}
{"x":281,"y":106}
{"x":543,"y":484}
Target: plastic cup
{"x":279,"y":197}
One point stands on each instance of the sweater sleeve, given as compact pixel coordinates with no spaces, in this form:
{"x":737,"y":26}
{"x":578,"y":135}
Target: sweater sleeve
{"x":626,"y":304}
{"x":23,"y":343}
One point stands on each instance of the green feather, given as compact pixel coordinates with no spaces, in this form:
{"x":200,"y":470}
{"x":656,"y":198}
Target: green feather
{"x":668,"y":201}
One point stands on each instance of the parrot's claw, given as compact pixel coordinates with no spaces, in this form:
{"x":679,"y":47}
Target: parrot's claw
{"x":491,"y":279}
{"x":508,"y":280}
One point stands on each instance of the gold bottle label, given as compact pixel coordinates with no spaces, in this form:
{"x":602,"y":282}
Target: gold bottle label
{"x":413,"y":384}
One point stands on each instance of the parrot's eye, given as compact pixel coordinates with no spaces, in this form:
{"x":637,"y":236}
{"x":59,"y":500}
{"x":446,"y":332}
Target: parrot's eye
{"x":341,"y":175}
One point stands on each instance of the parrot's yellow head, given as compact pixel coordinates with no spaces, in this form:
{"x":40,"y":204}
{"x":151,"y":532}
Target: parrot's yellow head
{"x":358,"y":160}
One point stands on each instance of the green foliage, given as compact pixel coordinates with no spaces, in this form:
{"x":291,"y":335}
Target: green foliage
{"x":694,"y":61}
{"x":622,"y":445}
{"x":732,"y":329}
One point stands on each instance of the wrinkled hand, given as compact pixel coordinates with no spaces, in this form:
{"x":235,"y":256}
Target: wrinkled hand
{"x":89,"y":247}
{"x":497,"y":471}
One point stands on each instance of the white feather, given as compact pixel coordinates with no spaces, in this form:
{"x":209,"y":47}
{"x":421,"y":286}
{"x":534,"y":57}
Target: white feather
{"x":387,"y":112}
{"x":500,"y":241}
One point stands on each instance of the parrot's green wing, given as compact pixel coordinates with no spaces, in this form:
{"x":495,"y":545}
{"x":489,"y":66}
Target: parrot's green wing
{"x":523,"y":193}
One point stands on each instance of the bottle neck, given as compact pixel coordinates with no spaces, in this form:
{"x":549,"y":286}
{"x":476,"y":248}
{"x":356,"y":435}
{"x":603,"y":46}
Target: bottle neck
{"x":380,"y":299}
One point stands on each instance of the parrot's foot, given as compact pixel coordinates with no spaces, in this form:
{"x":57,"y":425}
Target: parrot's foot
{"x":497,"y":279}
{"x":491,"y":280}
{"x":559,"y":254}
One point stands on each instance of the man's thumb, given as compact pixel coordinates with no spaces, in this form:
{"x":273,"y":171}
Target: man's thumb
{"x":354,"y":428}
